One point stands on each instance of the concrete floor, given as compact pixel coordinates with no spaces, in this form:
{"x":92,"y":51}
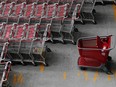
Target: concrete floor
{"x":63,"y":70}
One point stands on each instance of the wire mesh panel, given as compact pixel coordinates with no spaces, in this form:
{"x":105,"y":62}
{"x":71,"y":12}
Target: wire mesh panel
{"x":68,"y":30}
{"x":38,"y":51}
{"x":28,"y":12}
{"x":51,"y":10}
{"x":16,"y":12}
{"x":6,"y":11}
{"x":15,"y":42}
{"x":62,"y":11}
{"x":46,"y":25}
{"x":39,"y":12}
{"x":56,"y":27}
{"x":7,"y":34}
{"x":87,"y":10}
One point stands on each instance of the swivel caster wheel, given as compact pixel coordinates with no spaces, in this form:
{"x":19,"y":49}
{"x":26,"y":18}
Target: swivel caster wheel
{"x":94,"y":22}
{"x":46,"y":64}
{"x":109,"y":58}
{"x":75,"y":29}
{"x":48,"y":50}
{"x":74,"y":43}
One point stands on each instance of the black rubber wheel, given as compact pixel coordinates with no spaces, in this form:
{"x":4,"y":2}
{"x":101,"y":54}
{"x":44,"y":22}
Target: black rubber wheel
{"x":94,"y":11}
{"x":48,"y":50}
{"x":109,"y":58}
{"x":74,"y":43}
{"x":83,"y":68}
{"x":64,"y":42}
{"x":94,"y":22}
{"x":46,"y":64}
{"x":76,"y":30}
{"x":82,"y":22}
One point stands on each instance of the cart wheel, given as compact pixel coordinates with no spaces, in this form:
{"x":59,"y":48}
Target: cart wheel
{"x":48,"y":50}
{"x":94,"y":11}
{"x":109,"y":58}
{"x":6,"y":84}
{"x":23,"y":64}
{"x":83,"y":68}
{"x":64,"y":42}
{"x":75,"y":30}
{"x":94,"y":22}
{"x":106,"y":70}
{"x":74,"y":43}
{"x":46,"y":64}
{"x":82,"y":22}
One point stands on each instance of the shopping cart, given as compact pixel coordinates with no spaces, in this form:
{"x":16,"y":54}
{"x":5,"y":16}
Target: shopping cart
{"x":6,"y":11}
{"x":28,"y":12}
{"x":15,"y":42}
{"x":16,"y":12}
{"x":56,"y":27}
{"x":7,"y":34}
{"x":88,"y":11}
{"x":51,"y":10}
{"x":62,"y":11}
{"x":5,"y":68}
{"x":94,"y":52}
{"x":39,"y":12}
{"x":68,"y":30}
{"x":46,"y":24}
{"x":26,"y":43}
{"x":32,"y":48}
{"x":77,"y":12}
{"x":77,"y":8}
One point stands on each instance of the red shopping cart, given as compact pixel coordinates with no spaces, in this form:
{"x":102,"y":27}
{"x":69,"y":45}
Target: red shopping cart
{"x":94,"y":52}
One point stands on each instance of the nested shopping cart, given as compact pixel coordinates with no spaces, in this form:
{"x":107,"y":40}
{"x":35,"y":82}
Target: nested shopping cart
{"x":16,"y":12}
{"x":5,"y":68}
{"x":88,"y":10}
{"x":32,"y":48}
{"x":27,"y":42}
{"x":39,"y":12}
{"x":68,"y":30}
{"x":6,"y":11}
{"x":56,"y":27}
{"x":15,"y":42}
{"x":77,"y":10}
{"x":94,"y":52}
{"x":27,"y":13}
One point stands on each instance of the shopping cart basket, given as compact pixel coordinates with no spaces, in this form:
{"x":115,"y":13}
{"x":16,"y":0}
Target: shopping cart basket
{"x":56,"y":27}
{"x":68,"y":30}
{"x":32,"y":48}
{"x":88,"y":10}
{"x":4,"y":74}
{"x":28,"y":12}
{"x":15,"y":42}
{"x":94,"y":52}
{"x":16,"y":12}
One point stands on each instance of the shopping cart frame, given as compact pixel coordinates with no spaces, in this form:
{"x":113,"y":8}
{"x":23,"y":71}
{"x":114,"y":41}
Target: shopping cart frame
{"x":103,"y":65}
